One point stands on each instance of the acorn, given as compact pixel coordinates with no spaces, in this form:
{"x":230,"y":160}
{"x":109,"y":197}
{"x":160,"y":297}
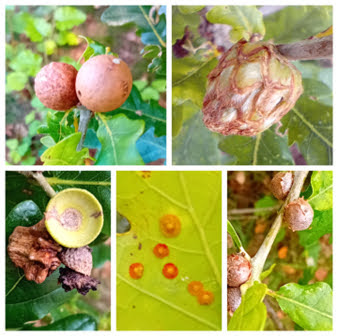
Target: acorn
{"x":55,"y":86}
{"x":103,"y":83}
{"x":281,"y":184}
{"x":239,"y":270}
{"x":234,"y":298}
{"x":298,"y":214}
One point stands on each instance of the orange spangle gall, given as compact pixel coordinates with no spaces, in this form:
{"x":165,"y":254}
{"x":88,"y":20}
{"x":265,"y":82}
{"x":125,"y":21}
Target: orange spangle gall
{"x":170,"y":271}
{"x":195,"y":287}
{"x":170,"y":226}
{"x":161,"y":251}
{"x":136,"y":270}
{"x":205,"y":297}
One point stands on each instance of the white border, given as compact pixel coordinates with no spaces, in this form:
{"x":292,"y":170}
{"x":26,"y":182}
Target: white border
{"x":113,"y":169}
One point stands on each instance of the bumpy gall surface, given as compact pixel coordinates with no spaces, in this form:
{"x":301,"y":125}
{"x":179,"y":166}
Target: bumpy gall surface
{"x":170,"y":226}
{"x":298,"y":214}
{"x":251,"y":88}
{"x":239,"y":270}
{"x":161,"y":251}
{"x":55,"y":86}
{"x":103,"y":83}
{"x":78,"y":259}
{"x":234,"y":299}
{"x":281,"y":184}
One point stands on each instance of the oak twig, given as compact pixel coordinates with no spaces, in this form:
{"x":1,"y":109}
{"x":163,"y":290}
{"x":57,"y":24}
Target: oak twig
{"x":41,"y":180}
{"x":85,"y":116}
{"x":258,"y":261}
{"x":311,"y":49}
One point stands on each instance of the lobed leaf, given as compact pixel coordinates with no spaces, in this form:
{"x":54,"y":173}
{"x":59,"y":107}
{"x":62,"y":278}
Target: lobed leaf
{"x":65,"y":153}
{"x":251,"y":314}
{"x":118,"y":137}
{"x":322,"y":190}
{"x":267,"y":148}
{"x":309,"y":306}
{"x":245,"y":20}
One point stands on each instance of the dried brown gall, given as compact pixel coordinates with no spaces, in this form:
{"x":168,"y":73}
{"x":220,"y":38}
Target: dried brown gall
{"x":33,"y":250}
{"x":55,"y":86}
{"x":78,"y":259}
{"x":251,"y":88}
{"x":298,"y":214}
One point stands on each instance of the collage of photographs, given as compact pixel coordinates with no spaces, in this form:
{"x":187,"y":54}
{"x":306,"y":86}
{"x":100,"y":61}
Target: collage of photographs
{"x":228,"y":184}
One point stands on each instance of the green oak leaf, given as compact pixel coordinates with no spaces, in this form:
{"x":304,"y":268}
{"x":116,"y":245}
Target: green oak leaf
{"x":322,"y":190}
{"x":137,"y":15}
{"x":68,"y":17}
{"x":196,"y":145}
{"x":189,"y":76}
{"x":118,"y":137}
{"x":26,"y":212}
{"x":16,"y":81}
{"x":309,"y":306}
{"x":251,"y":314}
{"x":183,"y":18}
{"x":321,"y":225}
{"x":151,"y":112}
{"x":309,"y":124}
{"x":70,"y":323}
{"x":154,"y":302}
{"x":245,"y":20}
{"x":301,"y":22}
{"x":64,"y":152}
{"x":26,"y":62}
{"x":266,"y":148}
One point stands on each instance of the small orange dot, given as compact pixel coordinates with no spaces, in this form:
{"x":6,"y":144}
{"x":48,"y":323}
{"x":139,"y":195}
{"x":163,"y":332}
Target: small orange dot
{"x":170,"y":225}
{"x":136,"y":270}
{"x":161,"y":250}
{"x":194,"y":287}
{"x":205,"y":297}
{"x":170,"y":271}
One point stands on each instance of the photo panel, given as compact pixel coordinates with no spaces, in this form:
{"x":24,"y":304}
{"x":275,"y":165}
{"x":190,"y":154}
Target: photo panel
{"x":252,"y":85}
{"x":169,"y":250}
{"x":280,"y":250}
{"x":58,"y":269}
{"x":86,"y":85}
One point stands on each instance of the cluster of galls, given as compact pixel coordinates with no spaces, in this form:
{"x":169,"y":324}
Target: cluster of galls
{"x":238,"y":273}
{"x":102,"y":84}
{"x":39,"y":255}
{"x":297,"y":214}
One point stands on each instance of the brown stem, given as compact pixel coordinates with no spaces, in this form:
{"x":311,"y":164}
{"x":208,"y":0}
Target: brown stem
{"x":316,"y":48}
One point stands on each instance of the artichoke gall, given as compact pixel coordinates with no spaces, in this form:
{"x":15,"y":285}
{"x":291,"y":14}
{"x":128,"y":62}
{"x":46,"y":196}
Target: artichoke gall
{"x":252,"y":87}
